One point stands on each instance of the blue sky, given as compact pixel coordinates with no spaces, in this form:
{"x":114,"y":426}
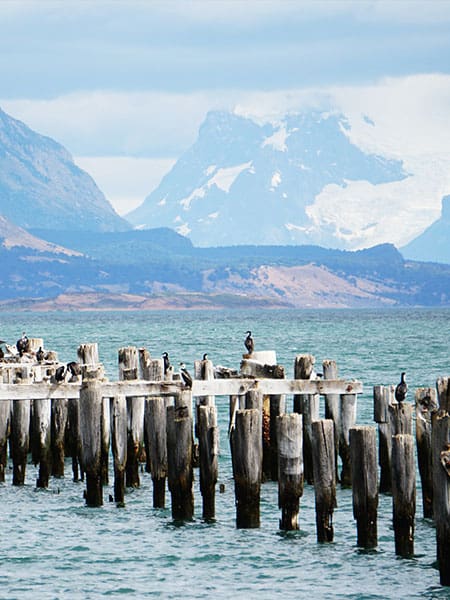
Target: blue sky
{"x":124,"y":85}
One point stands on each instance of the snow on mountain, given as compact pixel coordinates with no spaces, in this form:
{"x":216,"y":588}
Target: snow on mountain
{"x":271,"y":183}
{"x":433,"y":244}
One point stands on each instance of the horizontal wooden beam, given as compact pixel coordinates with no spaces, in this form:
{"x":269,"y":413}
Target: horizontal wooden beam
{"x":214,"y":387}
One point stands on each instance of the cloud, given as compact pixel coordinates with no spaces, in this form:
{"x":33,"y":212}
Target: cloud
{"x":125,"y":180}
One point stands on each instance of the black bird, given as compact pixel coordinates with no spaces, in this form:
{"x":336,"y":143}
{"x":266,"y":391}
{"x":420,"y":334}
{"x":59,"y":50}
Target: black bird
{"x":249,"y":343}
{"x":23,"y":344}
{"x":185,"y":375}
{"x":74,"y":368}
{"x":60,"y":373}
{"x":40,"y":354}
{"x":401,"y":389}
{"x":203,"y":369}
{"x":205,"y":357}
{"x":165,"y":357}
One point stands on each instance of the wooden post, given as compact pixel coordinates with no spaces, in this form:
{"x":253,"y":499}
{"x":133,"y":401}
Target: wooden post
{"x":247,"y":467}
{"x":5,"y":425}
{"x":443,"y":392}
{"x":308,"y":406}
{"x":400,"y":414}
{"x":204,"y":369}
{"x":20,"y":439}
{"x":425,"y":399}
{"x":88,"y":354}
{"x":441,"y":490}
{"x":128,"y":370}
{"x":208,"y":438}
{"x":41,"y":445}
{"x":290,"y":468}
{"x":383,"y":396}
{"x":73,"y":438}
{"x":403,"y":493}
{"x":179,"y":459}
{"x":59,"y":416}
{"x":118,"y":412}
{"x":363,"y":450}
{"x":324,"y":477}
{"x":333,"y":406}
{"x":90,"y":433}
{"x":347,"y":421}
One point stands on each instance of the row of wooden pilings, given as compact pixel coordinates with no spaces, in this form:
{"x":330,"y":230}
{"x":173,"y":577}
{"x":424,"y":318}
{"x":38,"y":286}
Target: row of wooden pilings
{"x":265,"y":441}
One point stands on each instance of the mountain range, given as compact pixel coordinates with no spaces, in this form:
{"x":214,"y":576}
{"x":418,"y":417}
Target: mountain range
{"x":247,"y":183}
{"x":63,"y":246}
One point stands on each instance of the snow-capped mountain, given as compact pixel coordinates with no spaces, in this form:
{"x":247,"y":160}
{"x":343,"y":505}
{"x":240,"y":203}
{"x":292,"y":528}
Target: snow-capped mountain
{"x":40,"y":185}
{"x":434,"y":243}
{"x":243,"y":182}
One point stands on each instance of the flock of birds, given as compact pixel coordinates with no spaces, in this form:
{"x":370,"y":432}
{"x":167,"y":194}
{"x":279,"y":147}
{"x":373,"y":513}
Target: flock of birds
{"x":73,"y":368}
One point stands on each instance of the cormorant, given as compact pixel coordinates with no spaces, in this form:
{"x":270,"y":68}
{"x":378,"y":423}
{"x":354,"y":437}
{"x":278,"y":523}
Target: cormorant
{"x":249,"y":343}
{"x":205,"y":357}
{"x":23,"y":344}
{"x":165,"y":357}
{"x":401,"y":389}
{"x":74,"y":368}
{"x":60,"y":373}
{"x":185,"y":375}
{"x":40,"y":354}
{"x":203,"y":369}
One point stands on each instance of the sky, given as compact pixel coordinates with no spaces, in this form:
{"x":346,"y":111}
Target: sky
{"x":124,"y":84}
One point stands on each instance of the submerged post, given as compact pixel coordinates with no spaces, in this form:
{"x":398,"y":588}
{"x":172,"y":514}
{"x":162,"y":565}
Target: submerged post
{"x":363,"y":450}
{"x":247,"y":467}
{"x":290,"y":468}
{"x":90,"y":433}
{"x":441,"y":489}
{"x":383,"y":396}
{"x":208,"y":438}
{"x":324,"y":477}
{"x":41,"y":445}
{"x":179,"y":455}
{"x":5,"y":424}
{"x":426,"y":405}
{"x":333,"y":407}
{"x":403,"y":493}
{"x":347,"y":421}
{"x":118,"y":412}
{"x":308,"y":406}
{"x":20,"y":439}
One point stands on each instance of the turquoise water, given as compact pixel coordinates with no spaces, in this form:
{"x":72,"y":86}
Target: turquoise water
{"x":55,"y":547}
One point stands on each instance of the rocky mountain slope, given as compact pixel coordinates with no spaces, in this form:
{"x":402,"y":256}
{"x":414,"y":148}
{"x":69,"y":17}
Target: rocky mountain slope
{"x":434,"y":243}
{"x":40,"y":185}
{"x":246,"y":183}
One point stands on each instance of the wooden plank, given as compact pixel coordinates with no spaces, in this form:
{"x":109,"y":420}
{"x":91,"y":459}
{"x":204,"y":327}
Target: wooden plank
{"x":216,"y":387}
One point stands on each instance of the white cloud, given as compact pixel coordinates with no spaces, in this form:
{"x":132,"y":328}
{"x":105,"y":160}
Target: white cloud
{"x":124,"y":180}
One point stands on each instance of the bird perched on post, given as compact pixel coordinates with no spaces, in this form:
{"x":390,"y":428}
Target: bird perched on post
{"x":249,"y":342}
{"x":401,"y":389}
{"x":185,"y":375}
{"x":60,"y":373}
{"x":74,"y":368}
{"x":40,"y":355}
{"x":23,"y":344}
{"x":166,"y":360}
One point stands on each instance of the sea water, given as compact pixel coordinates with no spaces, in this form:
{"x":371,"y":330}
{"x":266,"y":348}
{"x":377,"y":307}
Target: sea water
{"x":53,"y":546}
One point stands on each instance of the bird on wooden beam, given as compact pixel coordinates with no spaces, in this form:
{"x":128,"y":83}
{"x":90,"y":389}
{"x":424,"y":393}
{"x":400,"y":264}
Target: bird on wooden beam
{"x":74,"y":368}
{"x":185,"y":375}
{"x":23,"y":344}
{"x":249,"y":342}
{"x":401,"y":390}
{"x":40,"y":355}
{"x":166,"y":360}
{"x":60,"y":373}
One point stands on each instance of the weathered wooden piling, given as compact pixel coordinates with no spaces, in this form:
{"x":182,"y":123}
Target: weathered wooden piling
{"x":59,"y":417}
{"x":383,"y":396}
{"x":347,"y":421}
{"x":403,"y":493}
{"x":128,"y":371}
{"x":363,"y":450}
{"x":443,"y":392}
{"x":73,"y":438}
{"x":333,"y":406}
{"x":290,"y":468}
{"x":323,"y":447}
{"x":308,"y":406}
{"x":118,"y":413}
{"x":247,"y":467}
{"x":5,"y":425}
{"x":425,"y":400}
{"x":41,"y":440}
{"x":179,"y":460}
{"x":208,"y":438}
{"x":400,"y":414}
{"x":441,"y":485}
{"x":90,"y":434}
{"x":20,"y":439}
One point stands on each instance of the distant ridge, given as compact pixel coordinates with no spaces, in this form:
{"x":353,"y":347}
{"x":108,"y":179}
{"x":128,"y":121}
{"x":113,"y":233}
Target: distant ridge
{"x":40,"y":185}
{"x":434,"y":243}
